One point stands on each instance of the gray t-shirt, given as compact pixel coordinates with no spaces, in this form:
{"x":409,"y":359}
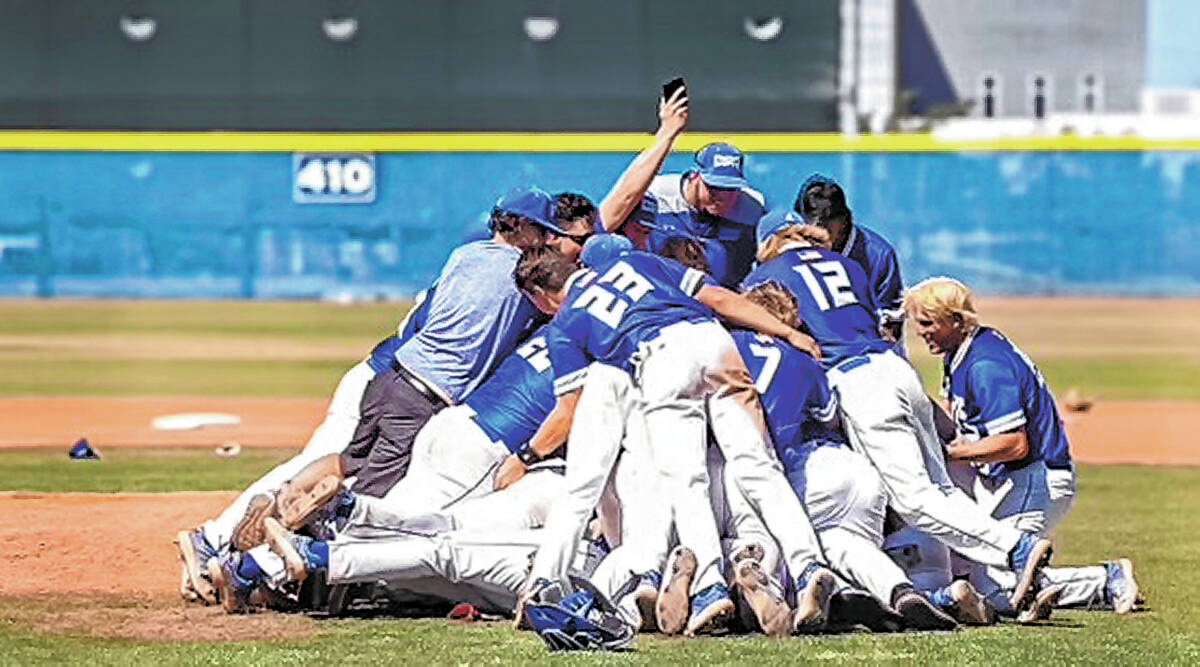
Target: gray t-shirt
{"x":476,"y":318}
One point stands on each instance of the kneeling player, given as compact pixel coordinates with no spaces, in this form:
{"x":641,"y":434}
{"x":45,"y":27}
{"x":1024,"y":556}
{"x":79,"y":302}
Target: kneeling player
{"x":1008,"y":426}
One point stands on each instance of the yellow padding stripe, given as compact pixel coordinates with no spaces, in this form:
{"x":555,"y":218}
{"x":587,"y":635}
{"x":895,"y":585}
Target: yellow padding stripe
{"x":505,"y":142}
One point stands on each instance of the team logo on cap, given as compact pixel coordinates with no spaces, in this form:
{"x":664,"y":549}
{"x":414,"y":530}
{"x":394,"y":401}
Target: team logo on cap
{"x":734,"y":161}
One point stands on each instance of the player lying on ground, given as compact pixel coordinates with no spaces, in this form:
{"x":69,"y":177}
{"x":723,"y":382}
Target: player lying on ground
{"x":475,"y":551}
{"x":1007,"y":427}
{"x":456,"y":454}
{"x":562,"y":224}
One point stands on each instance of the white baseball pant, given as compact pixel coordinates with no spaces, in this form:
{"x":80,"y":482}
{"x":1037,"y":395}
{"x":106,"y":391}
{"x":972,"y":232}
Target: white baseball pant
{"x":740,"y":527}
{"x":452,"y":460}
{"x":889,"y":419}
{"x":690,"y":371}
{"x":845,"y":498}
{"x":634,"y":521}
{"x":331,"y":437}
{"x":601,"y":434}
{"x":485,"y":568}
{"x":524,"y":505}
{"x":1035,"y":499}
{"x":477,"y":551}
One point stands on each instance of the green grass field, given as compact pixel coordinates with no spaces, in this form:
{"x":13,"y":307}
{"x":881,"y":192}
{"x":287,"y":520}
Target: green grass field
{"x":1131,"y":351}
{"x":1127,"y":350}
{"x":1145,"y":513}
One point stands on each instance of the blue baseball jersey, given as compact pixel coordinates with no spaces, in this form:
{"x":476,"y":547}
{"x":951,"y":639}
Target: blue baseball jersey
{"x":878,"y":260}
{"x":385,"y":351}
{"x":611,"y":311}
{"x":475,"y":319}
{"x":511,"y":405}
{"x":796,"y":397}
{"x":994,"y":388}
{"x":834,"y":299}
{"x":728,"y":241}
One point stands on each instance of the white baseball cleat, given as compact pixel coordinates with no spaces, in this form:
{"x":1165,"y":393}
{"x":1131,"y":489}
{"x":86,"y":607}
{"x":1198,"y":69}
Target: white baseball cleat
{"x":1027,"y":559}
{"x":921,"y":614}
{"x":672,"y":608}
{"x":1120,"y":587}
{"x":645,"y":596}
{"x":968,"y":606}
{"x":813,"y":589}
{"x":773,"y":614}
{"x":194,"y":553}
{"x":1043,"y":604}
{"x":249,"y":532}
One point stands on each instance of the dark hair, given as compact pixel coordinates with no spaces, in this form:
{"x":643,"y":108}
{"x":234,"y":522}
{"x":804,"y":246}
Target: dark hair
{"x":823,"y":203}
{"x":570,"y":206}
{"x":778,"y":301}
{"x":504,"y":222}
{"x":687,"y":251}
{"x":543,"y":267}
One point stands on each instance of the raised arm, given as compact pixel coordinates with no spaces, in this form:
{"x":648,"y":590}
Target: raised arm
{"x":628,"y":190}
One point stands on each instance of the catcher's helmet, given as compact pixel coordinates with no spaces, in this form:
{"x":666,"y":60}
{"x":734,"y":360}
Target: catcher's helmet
{"x":581,"y":620}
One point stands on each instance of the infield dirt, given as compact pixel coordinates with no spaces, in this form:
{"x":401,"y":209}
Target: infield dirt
{"x":121,"y":543}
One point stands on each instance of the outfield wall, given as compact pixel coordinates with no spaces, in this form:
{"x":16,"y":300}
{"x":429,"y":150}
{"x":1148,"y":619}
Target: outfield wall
{"x":183,"y":222}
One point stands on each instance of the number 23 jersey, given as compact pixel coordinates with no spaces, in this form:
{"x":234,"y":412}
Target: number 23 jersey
{"x":611,"y":311}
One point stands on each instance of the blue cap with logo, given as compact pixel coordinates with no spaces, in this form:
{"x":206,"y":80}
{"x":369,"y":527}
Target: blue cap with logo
{"x":533,"y":203}
{"x":720,"y":166}
{"x":602,"y":248}
{"x":774,"y":221}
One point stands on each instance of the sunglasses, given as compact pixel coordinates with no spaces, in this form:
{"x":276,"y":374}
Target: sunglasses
{"x":577,"y":238}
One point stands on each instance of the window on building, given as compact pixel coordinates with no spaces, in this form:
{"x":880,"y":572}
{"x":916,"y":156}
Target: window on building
{"x":1090,"y":92}
{"x":989,"y":94}
{"x":1040,"y":89}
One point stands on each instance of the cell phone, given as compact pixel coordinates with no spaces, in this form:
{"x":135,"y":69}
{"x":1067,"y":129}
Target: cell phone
{"x":671,"y":86}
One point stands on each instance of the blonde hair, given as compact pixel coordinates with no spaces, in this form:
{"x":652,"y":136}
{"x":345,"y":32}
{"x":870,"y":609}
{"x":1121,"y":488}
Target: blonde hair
{"x":808,"y":235}
{"x":941,"y":297}
{"x":777,"y":300}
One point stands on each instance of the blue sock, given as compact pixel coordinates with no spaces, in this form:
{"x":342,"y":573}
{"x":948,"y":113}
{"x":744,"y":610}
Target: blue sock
{"x":941,"y":597}
{"x":319,"y":552}
{"x":248,"y":569}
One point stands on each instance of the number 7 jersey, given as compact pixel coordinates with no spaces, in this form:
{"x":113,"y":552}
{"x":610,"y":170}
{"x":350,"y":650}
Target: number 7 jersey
{"x":834,"y":298}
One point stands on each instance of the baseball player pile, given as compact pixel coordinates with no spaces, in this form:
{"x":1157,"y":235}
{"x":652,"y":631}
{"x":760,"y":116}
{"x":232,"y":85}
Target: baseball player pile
{"x":674,"y":412}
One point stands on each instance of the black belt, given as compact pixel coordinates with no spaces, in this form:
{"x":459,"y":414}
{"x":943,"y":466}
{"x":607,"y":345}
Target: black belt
{"x":420,"y":385}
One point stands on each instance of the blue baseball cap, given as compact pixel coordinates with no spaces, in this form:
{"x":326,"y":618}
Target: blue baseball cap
{"x":533,"y":203}
{"x":814,"y":179}
{"x":602,"y":248}
{"x":645,"y":213}
{"x":720,"y":166}
{"x":774,"y":221}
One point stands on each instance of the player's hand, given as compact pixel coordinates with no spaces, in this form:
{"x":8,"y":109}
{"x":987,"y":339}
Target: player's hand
{"x":954,"y":449}
{"x":511,"y":470}
{"x":673,"y":114}
{"x":890,"y":331}
{"x":805,"y":343}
